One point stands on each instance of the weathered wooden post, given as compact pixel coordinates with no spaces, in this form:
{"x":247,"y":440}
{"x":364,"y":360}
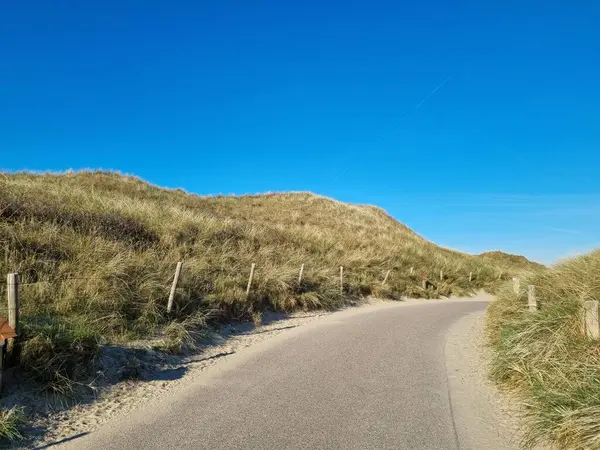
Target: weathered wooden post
{"x":174,"y":287}
{"x":300,"y":275}
{"x":592,"y":327}
{"x":424,"y":282}
{"x":386,"y":277}
{"x":252,"y":267}
{"x":441,"y":275}
{"x":412,"y":270}
{"x":531,"y":298}
{"x":12,"y":282}
{"x":342,"y":280}
{"x":516,"y":285}
{"x":470,"y":277}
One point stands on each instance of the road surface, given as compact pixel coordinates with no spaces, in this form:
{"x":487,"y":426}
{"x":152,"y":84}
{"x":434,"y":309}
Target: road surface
{"x":352,"y":380}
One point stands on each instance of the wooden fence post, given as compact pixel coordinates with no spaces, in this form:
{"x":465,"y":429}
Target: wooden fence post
{"x":342,"y":280}
{"x":412,"y":270}
{"x":252,"y":267}
{"x":300,"y":275}
{"x":516,"y":284}
{"x":12,"y":282}
{"x":441,"y":275}
{"x":424,"y":282}
{"x":470,"y":276}
{"x":386,"y":277}
{"x":174,"y":287}
{"x":592,"y":327}
{"x":531,"y":299}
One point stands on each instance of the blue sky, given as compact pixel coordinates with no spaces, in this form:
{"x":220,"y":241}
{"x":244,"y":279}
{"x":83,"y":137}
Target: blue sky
{"x":475,"y":123}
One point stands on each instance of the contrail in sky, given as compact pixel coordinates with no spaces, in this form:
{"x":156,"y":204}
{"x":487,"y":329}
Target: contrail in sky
{"x":438,"y":87}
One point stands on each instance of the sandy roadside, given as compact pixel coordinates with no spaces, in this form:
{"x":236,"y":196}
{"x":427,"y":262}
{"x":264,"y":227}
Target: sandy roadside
{"x":485,"y":418}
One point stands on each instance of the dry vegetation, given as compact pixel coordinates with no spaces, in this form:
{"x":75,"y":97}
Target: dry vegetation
{"x":510,"y":262}
{"x":545,"y":359}
{"x":96,"y":253}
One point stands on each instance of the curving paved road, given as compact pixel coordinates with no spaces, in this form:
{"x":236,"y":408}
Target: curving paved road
{"x":351,"y":380}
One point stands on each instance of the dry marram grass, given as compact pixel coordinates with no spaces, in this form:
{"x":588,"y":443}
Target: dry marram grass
{"x":546,"y":359}
{"x":96,"y":252}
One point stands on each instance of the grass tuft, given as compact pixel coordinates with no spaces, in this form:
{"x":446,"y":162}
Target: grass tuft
{"x":57,"y":352}
{"x":545,"y":358}
{"x":184,"y":335}
{"x":11,"y":421}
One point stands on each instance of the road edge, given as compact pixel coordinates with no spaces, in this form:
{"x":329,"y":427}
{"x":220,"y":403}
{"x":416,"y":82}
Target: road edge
{"x":484,"y":417}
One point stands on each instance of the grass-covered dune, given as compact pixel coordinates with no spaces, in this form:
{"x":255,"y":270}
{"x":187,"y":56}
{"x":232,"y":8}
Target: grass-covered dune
{"x":510,"y":262}
{"x":96,"y":252}
{"x":545,"y":358}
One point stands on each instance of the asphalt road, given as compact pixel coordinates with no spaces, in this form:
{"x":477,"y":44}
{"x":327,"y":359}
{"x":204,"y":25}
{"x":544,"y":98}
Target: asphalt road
{"x":372,"y":380}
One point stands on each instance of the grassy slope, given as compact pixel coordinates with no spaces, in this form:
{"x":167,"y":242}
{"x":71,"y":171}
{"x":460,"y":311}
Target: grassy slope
{"x":545,"y":358}
{"x":97,"y":252}
{"x":510,"y":261}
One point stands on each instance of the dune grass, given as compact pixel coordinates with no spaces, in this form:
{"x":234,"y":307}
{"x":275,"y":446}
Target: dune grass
{"x":545,"y":358}
{"x":96,"y":252}
{"x":510,"y":262}
{"x":11,"y":421}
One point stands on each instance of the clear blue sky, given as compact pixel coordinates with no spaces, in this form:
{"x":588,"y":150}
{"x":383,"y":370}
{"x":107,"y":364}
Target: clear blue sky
{"x":476,"y":123}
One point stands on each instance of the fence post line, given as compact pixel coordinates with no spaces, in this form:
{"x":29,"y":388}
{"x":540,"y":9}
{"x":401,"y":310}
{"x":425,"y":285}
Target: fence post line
{"x":174,"y":287}
{"x":342,"y":280}
{"x":412,"y":270}
{"x":300,"y":275}
{"x":386,"y":277}
{"x":531,"y":298}
{"x":516,"y":284}
{"x":441,"y":275}
{"x":252,"y":267}
{"x":12,"y":283}
{"x":470,"y":276}
{"x":592,"y":326}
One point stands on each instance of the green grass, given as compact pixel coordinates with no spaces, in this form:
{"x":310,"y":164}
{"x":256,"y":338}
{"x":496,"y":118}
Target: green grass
{"x":96,"y":252}
{"x":11,"y":421}
{"x":544,"y":357}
